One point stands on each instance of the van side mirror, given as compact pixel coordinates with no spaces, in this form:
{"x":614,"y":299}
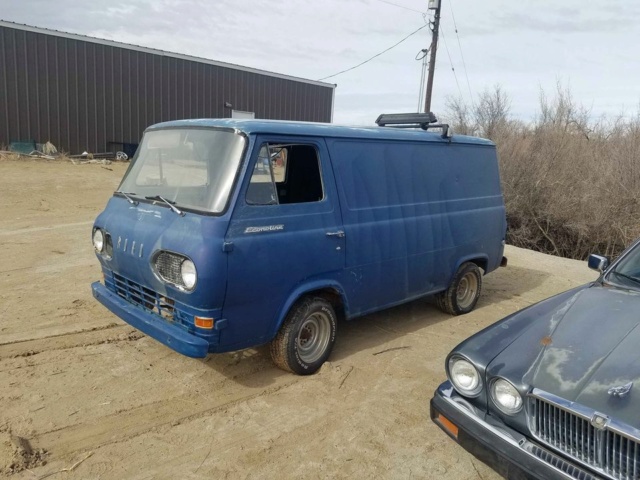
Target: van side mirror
{"x":598,"y":262}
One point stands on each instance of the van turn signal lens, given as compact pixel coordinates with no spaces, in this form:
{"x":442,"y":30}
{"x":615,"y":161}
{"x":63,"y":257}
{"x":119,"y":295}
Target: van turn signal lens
{"x":204,"y":322}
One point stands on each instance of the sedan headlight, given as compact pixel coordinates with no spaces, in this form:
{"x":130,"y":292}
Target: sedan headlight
{"x":465,"y":377}
{"x":188,"y":273}
{"x":506,"y":396}
{"x":98,"y":240}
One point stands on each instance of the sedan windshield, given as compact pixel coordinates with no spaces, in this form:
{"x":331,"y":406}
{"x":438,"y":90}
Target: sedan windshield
{"x":627,"y":272}
{"x":190,"y":168}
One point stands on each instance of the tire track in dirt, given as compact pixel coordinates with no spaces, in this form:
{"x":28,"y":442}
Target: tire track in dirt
{"x":94,"y":336}
{"x":29,"y":230}
{"x":131,"y":423}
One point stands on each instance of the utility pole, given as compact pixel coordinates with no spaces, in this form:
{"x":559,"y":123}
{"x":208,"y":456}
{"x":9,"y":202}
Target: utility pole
{"x":433,"y":5}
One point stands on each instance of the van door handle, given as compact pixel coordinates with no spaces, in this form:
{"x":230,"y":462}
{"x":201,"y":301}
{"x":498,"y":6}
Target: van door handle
{"x":339,"y":234}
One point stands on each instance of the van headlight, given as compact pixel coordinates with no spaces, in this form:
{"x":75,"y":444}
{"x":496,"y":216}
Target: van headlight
{"x":189,"y":274}
{"x":465,"y":377}
{"x":98,"y":240}
{"x":506,"y":396}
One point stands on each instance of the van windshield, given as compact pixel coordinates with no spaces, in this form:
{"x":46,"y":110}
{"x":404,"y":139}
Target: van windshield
{"x":193,"y":168}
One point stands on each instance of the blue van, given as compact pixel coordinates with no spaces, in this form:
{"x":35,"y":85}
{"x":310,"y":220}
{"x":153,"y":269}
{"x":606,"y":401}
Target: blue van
{"x":227,"y":234}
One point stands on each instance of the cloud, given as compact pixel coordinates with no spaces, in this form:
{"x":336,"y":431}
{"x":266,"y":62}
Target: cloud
{"x":520,"y":45}
{"x":565,"y":21}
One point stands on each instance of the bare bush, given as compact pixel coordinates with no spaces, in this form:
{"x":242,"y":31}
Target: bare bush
{"x":492,"y":111}
{"x":459,"y":115}
{"x":571,"y":183}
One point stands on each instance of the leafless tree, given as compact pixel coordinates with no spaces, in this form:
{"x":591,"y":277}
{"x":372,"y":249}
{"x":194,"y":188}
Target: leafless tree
{"x":459,"y":115}
{"x":571,"y":182}
{"x":492,"y":111}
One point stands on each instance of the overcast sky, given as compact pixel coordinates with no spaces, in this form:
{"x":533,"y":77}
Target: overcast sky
{"x":522,"y":45}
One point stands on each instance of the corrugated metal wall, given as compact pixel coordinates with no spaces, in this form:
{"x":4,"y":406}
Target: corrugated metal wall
{"x":82,"y":95}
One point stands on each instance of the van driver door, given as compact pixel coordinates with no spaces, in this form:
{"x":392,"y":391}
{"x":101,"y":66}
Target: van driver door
{"x":286,"y":231}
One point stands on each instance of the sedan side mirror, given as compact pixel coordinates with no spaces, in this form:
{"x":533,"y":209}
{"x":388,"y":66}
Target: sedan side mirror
{"x":598,"y":262}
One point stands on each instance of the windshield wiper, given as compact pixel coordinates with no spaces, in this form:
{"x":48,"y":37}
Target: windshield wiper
{"x":628,"y":277}
{"x":172,"y":205}
{"x":126,"y":195}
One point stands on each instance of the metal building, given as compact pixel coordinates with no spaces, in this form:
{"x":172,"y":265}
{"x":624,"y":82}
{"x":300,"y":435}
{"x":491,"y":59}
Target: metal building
{"x":83,"y":93}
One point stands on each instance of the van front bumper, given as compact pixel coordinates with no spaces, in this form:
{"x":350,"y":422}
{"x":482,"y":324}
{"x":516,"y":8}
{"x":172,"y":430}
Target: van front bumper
{"x":173,"y":336}
{"x":508,"y":452}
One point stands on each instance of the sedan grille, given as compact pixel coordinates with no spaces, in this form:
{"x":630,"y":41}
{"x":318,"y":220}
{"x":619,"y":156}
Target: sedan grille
{"x":609,"y":452}
{"x":142,"y":296}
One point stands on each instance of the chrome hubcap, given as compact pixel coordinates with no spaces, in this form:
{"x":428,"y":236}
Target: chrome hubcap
{"x":467,"y":290}
{"x":313,"y":337}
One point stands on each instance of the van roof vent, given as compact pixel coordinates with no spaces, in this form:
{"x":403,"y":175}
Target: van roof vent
{"x":424,"y":121}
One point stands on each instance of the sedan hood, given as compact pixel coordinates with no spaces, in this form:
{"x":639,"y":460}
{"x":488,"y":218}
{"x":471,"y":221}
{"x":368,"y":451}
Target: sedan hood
{"x":588,"y":346}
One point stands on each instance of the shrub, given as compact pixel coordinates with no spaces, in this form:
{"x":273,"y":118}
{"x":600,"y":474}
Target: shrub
{"x":571,"y":184}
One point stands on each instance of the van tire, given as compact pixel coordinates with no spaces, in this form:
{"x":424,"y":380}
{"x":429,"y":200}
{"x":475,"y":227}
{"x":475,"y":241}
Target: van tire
{"x":306,"y":338}
{"x":463,"y":292}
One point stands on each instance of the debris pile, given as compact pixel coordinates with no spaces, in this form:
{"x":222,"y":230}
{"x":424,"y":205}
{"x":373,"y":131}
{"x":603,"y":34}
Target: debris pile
{"x":17,"y":454}
{"x":48,"y":151}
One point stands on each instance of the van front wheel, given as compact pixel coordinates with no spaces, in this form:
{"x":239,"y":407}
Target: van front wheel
{"x":463,"y":293}
{"x":306,"y":337}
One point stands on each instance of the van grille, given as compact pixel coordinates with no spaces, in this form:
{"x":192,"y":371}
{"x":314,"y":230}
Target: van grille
{"x":168,"y":267}
{"x":605,"y":450}
{"x":145,"y":297}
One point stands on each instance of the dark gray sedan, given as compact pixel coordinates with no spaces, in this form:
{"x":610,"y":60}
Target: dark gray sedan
{"x":553,"y":391}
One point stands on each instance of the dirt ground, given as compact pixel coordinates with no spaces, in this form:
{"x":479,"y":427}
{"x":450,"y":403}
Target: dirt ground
{"x":85,"y":396}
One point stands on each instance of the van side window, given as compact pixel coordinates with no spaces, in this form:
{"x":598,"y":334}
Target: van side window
{"x":285,"y":173}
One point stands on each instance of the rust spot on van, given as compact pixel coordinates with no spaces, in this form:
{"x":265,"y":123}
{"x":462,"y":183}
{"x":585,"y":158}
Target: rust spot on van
{"x":546,"y":341}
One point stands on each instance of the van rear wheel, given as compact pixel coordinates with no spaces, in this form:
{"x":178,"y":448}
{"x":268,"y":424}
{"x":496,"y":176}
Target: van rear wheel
{"x":306,"y":337}
{"x":463,"y":293}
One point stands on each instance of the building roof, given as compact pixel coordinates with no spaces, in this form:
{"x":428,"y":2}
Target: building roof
{"x":154,"y":51}
{"x":281,"y":127}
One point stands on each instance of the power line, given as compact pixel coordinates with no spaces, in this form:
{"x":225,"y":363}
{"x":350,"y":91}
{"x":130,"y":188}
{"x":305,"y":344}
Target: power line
{"x":399,"y":6}
{"x":376,"y":55}
{"x":422,"y":58}
{"x":460,"y":47}
{"x":450,"y":61}
{"x":423,"y":78}
{"x":425,"y":65}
